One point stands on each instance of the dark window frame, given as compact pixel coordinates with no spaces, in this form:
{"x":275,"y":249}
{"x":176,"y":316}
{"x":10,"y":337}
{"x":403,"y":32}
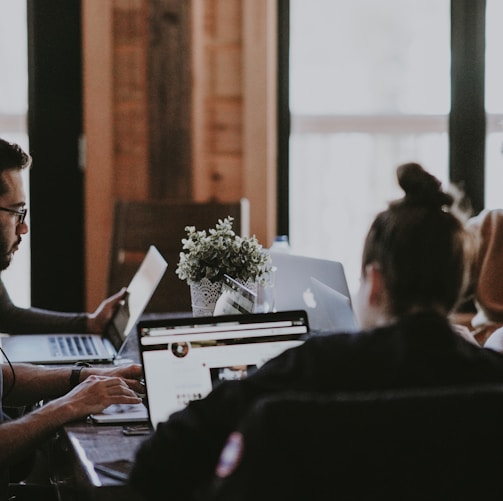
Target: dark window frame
{"x":467,"y":117}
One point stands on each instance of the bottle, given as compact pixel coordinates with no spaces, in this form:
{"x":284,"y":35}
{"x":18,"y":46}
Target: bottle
{"x":281,"y":244}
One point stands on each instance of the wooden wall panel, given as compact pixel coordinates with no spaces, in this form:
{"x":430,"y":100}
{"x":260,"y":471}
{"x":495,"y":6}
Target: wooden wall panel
{"x":260,"y":115}
{"x":130,"y":98}
{"x":179,"y":102}
{"x":170,"y":95}
{"x":115,"y":124}
{"x":99,"y":143}
{"x":234,"y":114}
{"x":217,"y":104}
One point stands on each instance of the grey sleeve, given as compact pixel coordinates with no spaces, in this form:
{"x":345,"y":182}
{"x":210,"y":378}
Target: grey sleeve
{"x":16,"y":320}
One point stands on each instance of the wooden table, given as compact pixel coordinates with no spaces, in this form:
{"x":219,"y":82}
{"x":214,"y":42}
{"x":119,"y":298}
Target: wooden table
{"x":74,"y":456}
{"x":81,"y":445}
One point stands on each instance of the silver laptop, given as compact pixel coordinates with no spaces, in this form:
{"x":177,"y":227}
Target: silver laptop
{"x":333,"y":312}
{"x":185,"y":358}
{"x":69,"y":348}
{"x":295,"y":289}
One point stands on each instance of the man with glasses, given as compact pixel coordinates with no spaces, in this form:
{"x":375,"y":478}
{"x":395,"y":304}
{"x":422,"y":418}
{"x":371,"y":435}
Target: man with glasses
{"x":13,"y":211}
{"x":70,"y":392}
{"x":21,"y":213}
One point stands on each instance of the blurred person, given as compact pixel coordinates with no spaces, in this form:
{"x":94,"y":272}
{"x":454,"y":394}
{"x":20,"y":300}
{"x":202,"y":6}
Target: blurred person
{"x":486,"y":279}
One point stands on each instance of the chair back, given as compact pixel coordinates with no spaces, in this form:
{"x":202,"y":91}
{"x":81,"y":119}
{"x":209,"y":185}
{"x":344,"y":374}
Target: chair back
{"x":432,"y":443}
{"x":139,"y":224}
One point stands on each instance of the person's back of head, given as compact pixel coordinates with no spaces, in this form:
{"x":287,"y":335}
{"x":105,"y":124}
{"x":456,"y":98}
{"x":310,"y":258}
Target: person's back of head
{"x":420,"y":245}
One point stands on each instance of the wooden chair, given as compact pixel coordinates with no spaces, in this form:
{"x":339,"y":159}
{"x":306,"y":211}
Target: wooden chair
{"x":138,"y":224}
{"x":430,"y":443}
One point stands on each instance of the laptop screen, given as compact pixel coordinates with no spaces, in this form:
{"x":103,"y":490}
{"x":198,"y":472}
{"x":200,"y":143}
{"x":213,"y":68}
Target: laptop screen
{"x":183,"y":359}
{"x":139,"y":291}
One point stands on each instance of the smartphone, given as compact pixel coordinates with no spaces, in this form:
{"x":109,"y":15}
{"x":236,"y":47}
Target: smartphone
{"x":118,"y":469}
{"x":136,"y":429}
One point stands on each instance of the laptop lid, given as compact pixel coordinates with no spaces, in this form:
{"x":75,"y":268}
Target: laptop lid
{"x":185,"y":358}
{"x":139,"y":292}
{"x":72,"y":347}
{"x":331,"y":311}
{"x":294,"y":287}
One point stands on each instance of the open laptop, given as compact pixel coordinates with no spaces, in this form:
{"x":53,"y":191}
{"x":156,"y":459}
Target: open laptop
{"x":184,"y":358}
{"x":295,"y":289}
{"x":333,"y":312}
{"x":75,"y":347}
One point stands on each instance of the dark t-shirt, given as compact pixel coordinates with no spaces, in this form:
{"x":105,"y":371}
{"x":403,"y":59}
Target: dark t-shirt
{"x":420,"y":350}
{"x":4,"y":477}
{"x":16,"y":320}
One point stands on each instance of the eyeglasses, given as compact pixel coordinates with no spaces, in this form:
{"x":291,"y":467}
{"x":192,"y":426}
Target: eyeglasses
{"x":20,"y":213}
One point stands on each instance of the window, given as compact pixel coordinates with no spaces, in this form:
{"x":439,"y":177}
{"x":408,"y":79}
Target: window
{"x":13,"y":112}
{"x":369,"y":89}
{"x":494,"y":105}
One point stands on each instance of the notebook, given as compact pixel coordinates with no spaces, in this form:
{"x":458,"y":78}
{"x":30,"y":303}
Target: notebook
{"x":295,"y":289}
{"x":73,"y":347}
{"x":234,"y":299}
{"x":184,"y":358}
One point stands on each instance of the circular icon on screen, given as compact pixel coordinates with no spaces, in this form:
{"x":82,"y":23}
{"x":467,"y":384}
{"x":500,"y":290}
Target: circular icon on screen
{"x":180,"y":349}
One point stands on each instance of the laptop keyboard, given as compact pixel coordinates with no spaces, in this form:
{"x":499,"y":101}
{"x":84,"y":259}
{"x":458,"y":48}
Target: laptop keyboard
{"x":77,"y":346}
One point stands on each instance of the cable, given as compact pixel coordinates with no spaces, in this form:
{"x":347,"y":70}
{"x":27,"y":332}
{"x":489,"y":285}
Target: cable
{"x":9,"y":391}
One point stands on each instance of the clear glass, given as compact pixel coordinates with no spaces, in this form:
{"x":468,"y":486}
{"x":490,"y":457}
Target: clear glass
{"x":266,"y":293}
{"x":363,"y":56}
{"x":369,"y":89}
{"x":494,"y":68}
{"x":494,"y":106}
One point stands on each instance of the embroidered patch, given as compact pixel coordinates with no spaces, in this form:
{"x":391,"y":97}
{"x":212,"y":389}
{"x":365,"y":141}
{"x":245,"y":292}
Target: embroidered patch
{"x":231,"y":455}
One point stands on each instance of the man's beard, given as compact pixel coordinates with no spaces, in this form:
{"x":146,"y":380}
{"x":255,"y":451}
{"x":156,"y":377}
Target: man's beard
{"x":5,"y":254}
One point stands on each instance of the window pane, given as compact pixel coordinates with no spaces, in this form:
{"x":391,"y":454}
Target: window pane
{"x":13,"y":55}
{"x":363,"y":56}
{"x":494,"y":171}
{"x":13,"y":110}
{"x":494,"y":105}
{"x":494,"y":69}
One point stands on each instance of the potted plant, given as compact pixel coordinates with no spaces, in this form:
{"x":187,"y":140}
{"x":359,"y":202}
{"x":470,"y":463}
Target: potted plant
{"x":209,"y":255}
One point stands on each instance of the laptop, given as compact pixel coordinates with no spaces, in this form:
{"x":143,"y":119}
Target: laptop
{"x":184,"y":358}
{"x":295,"y":290}
{"x":333,"y":310}
{"x":74,"y":347}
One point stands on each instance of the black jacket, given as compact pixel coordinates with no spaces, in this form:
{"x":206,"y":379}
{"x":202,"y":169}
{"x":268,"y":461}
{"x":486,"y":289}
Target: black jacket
{"x":420,"y":350}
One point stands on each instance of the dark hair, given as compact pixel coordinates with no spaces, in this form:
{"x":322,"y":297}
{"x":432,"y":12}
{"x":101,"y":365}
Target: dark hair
{"x":12,"y":157}
{"x":420,"y":245}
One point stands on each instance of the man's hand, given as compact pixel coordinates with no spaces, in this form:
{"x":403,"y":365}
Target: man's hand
{"x":132,"y":374}
{"x":96,"y":393}
{"x":98,"y":321}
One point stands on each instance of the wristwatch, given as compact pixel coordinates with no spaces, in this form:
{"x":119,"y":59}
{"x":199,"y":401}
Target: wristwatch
{"x":75,"y":374}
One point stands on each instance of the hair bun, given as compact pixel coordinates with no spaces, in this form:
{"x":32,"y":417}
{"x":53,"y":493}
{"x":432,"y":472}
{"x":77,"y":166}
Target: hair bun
{"x":421,"y":187}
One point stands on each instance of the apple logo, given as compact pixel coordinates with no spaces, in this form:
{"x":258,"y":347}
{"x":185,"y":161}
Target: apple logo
{"x":309,"y":299}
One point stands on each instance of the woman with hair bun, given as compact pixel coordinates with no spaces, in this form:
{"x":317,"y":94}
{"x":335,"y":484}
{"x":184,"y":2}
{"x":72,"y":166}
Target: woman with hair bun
{"x":413,"y":274}
{"x":417,"y":251}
